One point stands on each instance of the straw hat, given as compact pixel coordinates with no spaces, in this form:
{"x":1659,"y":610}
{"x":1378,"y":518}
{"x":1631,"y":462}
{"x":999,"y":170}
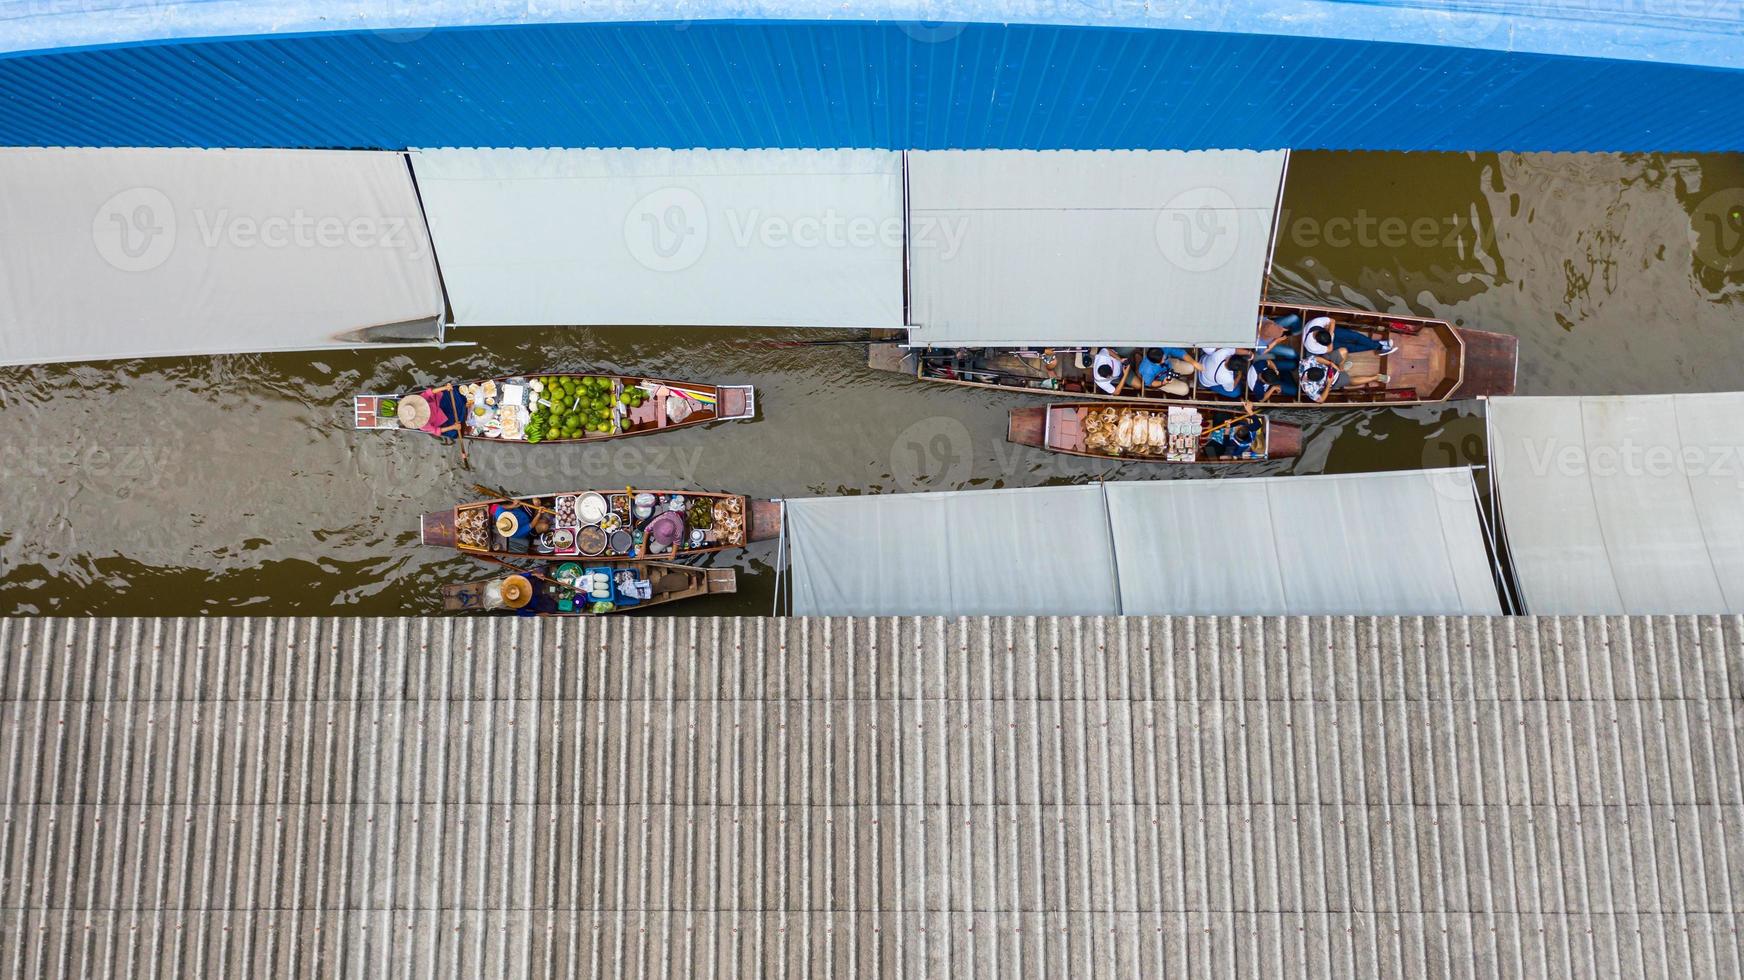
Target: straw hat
{"x":517,"y":591}
{"x":414,"y":412}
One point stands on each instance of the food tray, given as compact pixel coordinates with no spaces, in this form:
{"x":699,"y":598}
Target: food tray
{"x":611,"y":586}
{"x":566,"y":516}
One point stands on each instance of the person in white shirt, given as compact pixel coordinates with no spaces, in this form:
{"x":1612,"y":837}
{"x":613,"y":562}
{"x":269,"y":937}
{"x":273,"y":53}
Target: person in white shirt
{"x":1222,"y":371}
{"x":1109,"y":370}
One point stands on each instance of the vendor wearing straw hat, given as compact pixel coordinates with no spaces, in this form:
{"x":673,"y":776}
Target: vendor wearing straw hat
{"x":510,"y":592}
{"x":425,"y":412}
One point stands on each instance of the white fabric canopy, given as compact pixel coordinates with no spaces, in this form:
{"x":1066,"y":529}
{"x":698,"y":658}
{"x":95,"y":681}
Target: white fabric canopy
{"x":1371,"y":544}
{"x":1383,"y":543}
{"x":982,"y":552}
{"x":1022,"y":247}
{"x":806,"y":238}
{"x":1623,"y":504}
{"x":111,"y":253}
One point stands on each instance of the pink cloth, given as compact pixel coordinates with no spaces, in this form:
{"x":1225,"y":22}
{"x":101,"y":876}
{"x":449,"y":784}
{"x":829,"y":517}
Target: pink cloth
{"x":438,"y":418}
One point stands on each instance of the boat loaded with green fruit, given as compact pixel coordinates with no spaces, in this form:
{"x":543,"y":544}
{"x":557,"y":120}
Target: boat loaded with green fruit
{"x":555,"y":408}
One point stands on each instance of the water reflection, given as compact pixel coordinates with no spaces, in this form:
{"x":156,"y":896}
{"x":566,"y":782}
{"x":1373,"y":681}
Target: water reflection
{"x":235,"y":483}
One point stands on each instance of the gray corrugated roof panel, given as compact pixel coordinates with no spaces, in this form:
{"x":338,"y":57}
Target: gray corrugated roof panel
{"x":704,"y":797}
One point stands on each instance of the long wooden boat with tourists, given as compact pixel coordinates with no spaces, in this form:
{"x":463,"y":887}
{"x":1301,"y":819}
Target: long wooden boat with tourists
{"x":621,"y":525}
{"x":555,"y":408}
{"x":585,"y":588}
{"x":1153,"y":433}
{"x":1424,"y":361}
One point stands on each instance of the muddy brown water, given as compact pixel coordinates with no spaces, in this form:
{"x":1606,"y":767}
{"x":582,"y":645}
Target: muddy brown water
{"x":235,"y":484}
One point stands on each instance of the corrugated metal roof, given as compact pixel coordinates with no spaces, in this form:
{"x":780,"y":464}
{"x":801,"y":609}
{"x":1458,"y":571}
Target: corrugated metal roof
{"x":879,"y":85}
{"x":1695,"y":34}
{"x":712,"y":797}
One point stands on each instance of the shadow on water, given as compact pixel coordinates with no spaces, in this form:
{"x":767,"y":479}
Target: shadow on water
{"x":235,"y":484}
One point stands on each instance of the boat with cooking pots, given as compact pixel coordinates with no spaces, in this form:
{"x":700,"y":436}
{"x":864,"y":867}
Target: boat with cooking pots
{"x":609,"y":525}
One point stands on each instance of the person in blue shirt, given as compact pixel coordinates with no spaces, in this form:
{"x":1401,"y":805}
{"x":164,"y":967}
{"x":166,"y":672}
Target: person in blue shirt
{"x":1272,"y":378}
{"x":1163,"y":369}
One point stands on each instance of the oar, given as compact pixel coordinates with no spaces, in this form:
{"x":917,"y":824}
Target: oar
{"x":485,"y":491}
{"x":1219,"y":427}
{"x":526,"y":571}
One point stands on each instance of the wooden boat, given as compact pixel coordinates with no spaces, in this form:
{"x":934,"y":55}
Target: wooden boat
{"x":1153,"y":433}
{"x":604,"y":525}
{"x":538,"y":408}
{"x":1432,"y":361}
{"x":668,"y":583}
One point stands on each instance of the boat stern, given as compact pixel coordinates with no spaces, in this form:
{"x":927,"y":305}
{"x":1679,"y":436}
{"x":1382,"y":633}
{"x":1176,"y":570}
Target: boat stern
{"x":765,"y":520}
{"x":437,"y":529}
{"x":892,"y":357}
{"x":1491,"y":363}
{"x":1283,"y":441}
{"x":720,"y":581}
{"x":1027,"y":426}
{"x":738,"y":402}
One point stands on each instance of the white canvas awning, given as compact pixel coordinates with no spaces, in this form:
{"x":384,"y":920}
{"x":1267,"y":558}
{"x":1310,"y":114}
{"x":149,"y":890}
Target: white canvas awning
{"x":113,"y":253}
{"x":981,"y":552}
{"x":1379,"y":543}
{"x":1023,"y":247}
{"x":803,"y":238}
{"x":1369,"y":544}
{"x":1622,"y":504}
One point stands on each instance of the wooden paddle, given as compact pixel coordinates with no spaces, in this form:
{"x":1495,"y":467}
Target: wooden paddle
{"x":1219,"y":427}
{"x":485,"y":491}
{"x":527,"y":572}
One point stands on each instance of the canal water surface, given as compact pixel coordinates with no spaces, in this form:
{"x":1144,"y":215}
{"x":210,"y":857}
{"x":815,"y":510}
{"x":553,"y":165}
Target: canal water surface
{"x":235,"y":484}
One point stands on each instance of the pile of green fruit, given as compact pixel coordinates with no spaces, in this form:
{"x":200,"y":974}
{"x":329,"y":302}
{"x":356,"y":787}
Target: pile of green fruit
{"x":573,"y":407}
{"x":702,"y":514}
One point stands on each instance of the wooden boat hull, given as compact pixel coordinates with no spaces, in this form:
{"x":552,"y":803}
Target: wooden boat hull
{"x":469,"y":597}
{"x":1060,"y":428}
{"x":755,"y":520}
{"x":712,"y":403}
{"x":1433,"y":361}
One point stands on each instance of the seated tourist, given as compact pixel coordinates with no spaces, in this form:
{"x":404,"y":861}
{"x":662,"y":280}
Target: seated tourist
{"x":1223,"y":371}
{"x":1321,"y":376}
{"x":1109,"y":370}
{"x":1272,"y":378}
{"x":1323,"y":335}
{"x":1165,"y":370}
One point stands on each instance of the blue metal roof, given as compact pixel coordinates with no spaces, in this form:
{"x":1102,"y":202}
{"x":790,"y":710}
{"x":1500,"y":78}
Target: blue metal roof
{"x":1694,"y":32}
{"x":857,"y":84}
